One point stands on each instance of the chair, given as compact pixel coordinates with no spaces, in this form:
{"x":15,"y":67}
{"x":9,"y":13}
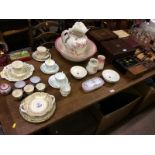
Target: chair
{"x":44,"y":32}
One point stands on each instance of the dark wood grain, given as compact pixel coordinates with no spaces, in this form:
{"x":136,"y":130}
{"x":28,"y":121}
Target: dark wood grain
{"x":77,"y":100}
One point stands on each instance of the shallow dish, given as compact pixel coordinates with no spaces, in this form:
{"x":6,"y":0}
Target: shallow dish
{"x":78,"y":72}
{"x":110,"y":76}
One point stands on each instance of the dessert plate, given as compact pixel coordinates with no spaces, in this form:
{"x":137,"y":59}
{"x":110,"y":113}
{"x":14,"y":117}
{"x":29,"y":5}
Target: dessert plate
{"x":89,"y":52}
{"x":44,"y":69}
{"x":110,"y":76}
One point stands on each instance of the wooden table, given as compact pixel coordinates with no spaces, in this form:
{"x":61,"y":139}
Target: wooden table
{"x":77,"y":100}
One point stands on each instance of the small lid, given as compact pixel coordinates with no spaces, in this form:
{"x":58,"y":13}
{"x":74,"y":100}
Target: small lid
{"x":29,"y":88}
{"x":20,"y":84}
{"x":35,"y":79}
{"x":40,"y":86}
{"x":4,"y":86}
{"x":17,"y":93}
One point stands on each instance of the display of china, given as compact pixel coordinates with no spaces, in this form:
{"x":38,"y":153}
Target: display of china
{"x":17,"y":94}
{"x":74,"y":44}
{"x":101,"y":61}
{"x":78,"y":72}
{"x":5,"y":88}
{"x":110,"y":76}
{"x":40,"y":87}
{"x":35,"y":79}
{"x":92,"y":66}
{"x":20,"y":84}
{"x":58,"y":80}
{"x":75,"y":38}
{"x":49,"y":67}
{"x":28,"y":89}
{"x":38,"y":107}
{"x":65,"y":89}
{"x":41,"y":54}
{"x":17,"y":71}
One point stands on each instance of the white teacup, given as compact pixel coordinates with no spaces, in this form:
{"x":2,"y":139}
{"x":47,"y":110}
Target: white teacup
{"x":60,"y":78}
{"x":17,"y":67}
{"x":42,"y":51}
{"x":50,"y":64}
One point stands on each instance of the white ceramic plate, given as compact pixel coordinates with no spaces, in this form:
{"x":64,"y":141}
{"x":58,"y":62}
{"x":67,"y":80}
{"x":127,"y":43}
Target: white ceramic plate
{"x":44,"y":69}
{"x":78,"y":72}
{"x":110,"y":76}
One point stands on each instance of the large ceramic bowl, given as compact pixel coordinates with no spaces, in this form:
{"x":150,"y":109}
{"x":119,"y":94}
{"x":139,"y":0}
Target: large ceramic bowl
{"x":70,"y":55}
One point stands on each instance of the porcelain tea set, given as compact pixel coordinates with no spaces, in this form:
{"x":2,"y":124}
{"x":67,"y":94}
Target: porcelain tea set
{"x":73,"y":45}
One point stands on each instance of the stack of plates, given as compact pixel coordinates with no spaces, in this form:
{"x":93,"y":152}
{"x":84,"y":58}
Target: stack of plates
{"x":38,"y":107}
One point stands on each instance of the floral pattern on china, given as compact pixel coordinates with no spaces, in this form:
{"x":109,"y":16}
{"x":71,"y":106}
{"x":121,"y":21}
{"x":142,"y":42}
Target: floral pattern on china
{"x":17,"y":71}
{"x":75,"y":38}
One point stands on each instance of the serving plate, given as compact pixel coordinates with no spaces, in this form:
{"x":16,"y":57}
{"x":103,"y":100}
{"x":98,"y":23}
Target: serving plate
{"x":39,"y":119}
{"x":37,"y":104}
{"x":69,"y":55}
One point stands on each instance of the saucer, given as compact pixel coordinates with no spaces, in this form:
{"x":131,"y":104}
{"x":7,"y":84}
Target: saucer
{"x":44,"y":69}
{"x":110,"y":76}
{"x":35,"y":57}
{"x":53,"y":83}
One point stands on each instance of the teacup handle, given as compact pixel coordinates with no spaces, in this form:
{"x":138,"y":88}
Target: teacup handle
{"x":64,"y":36}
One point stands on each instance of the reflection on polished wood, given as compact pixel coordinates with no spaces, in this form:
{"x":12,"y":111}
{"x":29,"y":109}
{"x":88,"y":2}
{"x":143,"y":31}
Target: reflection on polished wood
{"x":77,"y":100}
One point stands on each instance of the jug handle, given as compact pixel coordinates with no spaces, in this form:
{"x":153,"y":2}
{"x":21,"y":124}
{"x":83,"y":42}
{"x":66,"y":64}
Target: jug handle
{"x":65,"y":36}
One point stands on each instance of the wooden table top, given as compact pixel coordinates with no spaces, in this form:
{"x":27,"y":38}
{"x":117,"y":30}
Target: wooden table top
{"x":77,"y":100}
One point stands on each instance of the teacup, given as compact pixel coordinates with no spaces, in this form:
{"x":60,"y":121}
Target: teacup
{"x":42,"y":51}
{"x":17,"y":67}
{"x":50,"y":64}
{"x":60,"y":78}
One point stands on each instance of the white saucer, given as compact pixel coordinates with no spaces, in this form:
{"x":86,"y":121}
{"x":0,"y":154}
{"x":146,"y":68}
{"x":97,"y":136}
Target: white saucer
{"x":110,"y":76}
{"x":40,"y":59}
{"x":53,"y":83}
{"x":44,"y":69}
